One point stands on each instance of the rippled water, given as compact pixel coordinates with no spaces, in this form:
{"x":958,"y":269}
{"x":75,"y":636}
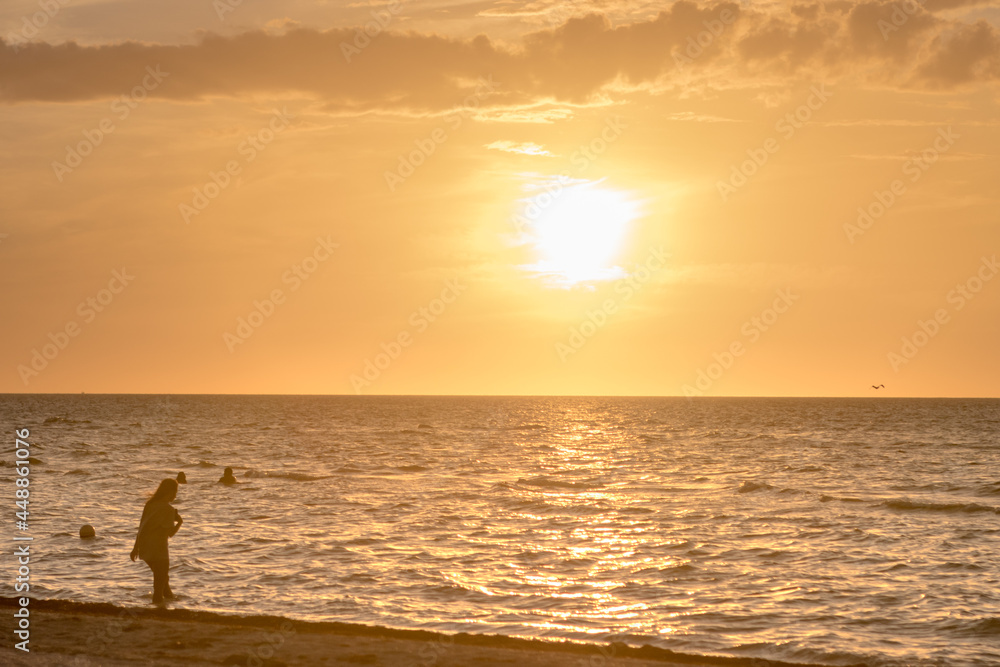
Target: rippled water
{"x":813,"y":530}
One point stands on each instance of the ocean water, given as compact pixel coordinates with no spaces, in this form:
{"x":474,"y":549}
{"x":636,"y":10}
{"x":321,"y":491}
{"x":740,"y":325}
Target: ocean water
{"x":827,"y":531}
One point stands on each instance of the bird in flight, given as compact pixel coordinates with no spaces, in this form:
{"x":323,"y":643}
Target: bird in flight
{"x":881,"y":386}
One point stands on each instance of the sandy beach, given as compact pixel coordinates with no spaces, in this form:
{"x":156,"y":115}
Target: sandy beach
{"x":73,"y":634}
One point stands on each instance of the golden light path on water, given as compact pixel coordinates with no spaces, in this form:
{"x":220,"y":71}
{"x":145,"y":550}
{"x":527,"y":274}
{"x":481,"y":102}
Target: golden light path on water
{"x":612,"y":543}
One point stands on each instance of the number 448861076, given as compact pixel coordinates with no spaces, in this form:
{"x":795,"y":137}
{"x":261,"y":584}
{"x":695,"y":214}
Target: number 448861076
{"x":22,"y":483}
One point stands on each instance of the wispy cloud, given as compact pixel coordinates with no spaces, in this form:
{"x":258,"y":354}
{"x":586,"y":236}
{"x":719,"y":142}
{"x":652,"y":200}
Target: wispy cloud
{"x":524,"y":148}
{"x":700,"y":117}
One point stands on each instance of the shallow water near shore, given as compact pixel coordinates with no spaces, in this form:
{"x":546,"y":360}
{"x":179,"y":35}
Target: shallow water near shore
{"x":828,"y":531}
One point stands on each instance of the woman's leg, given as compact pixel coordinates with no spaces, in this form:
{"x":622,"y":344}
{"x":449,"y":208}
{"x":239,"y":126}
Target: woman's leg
{"x":161,"y":578}
{"x":166,"y":579}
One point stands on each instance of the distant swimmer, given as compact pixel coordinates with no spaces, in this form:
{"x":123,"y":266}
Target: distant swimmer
{"x":159,"y":522}
{"x":182,"y":478}
{"x":227,"y":477}
{"x":881,"y":386}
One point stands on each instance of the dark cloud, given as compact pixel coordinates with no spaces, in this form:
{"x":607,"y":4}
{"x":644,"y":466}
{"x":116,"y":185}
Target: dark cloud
{"x":886,"y":29}
{"x":396,"y":69}
{"x":795,"y":43}
{"x":571,"y":62}
{"x":939,"y":5}
{"x":970,"y":53}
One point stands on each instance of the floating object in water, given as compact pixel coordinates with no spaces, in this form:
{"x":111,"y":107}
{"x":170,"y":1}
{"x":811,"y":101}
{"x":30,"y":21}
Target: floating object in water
{"x":87,"y":531}
{"x":182,"y":478}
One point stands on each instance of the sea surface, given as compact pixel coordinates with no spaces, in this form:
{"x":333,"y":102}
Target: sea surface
{"x":826,"y":531}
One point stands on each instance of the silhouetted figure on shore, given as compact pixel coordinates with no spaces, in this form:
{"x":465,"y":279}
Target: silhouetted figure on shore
{"x":227,"y":477}
{"x":160,"y":521}
{"x":182,"y":478}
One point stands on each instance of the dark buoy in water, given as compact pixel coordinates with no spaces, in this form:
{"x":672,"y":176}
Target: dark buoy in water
{"x":87,"y":531}
{"x":182,"y":478}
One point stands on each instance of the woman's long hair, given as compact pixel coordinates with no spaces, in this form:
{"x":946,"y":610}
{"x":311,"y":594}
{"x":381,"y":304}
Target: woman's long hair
{"x":166,"y":491}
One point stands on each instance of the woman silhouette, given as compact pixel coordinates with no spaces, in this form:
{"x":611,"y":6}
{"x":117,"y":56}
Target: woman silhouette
{"x":159,"y":522}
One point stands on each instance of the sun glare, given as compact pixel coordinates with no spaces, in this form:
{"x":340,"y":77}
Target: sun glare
{"x":577,"y":232}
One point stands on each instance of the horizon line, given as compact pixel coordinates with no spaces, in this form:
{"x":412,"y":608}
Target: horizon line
{"x":350,"y":395}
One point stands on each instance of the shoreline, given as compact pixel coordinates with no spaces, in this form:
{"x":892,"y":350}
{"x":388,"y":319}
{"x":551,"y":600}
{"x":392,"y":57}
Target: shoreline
{"x":107,"y":634}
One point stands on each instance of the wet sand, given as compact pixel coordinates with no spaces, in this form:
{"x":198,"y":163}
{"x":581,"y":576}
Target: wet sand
{"x":73,"y":634}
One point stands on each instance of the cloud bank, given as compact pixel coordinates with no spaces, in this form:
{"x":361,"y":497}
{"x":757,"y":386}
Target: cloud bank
{"x":890,"y":44}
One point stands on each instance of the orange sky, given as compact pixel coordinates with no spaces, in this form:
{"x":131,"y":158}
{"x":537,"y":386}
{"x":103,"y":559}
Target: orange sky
{"x":500,"y":197}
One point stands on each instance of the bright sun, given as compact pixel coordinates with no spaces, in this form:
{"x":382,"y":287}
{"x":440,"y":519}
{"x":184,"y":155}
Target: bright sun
{"x":577,"y":231}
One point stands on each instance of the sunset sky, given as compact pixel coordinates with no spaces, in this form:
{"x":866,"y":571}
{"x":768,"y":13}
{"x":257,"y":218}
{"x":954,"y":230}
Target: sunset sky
{"x":605,"y":197}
